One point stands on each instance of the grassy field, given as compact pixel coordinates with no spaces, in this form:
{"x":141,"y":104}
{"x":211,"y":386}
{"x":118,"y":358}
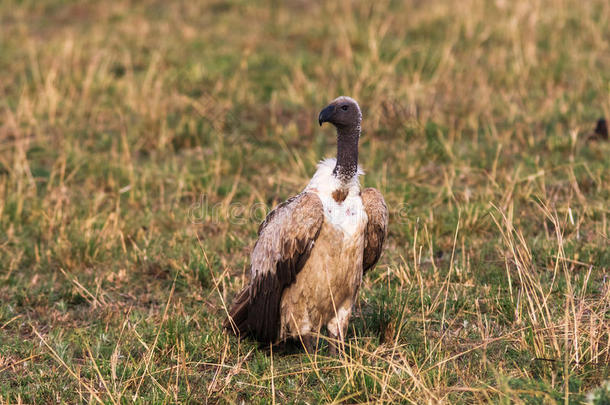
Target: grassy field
{"x":141,"y":144}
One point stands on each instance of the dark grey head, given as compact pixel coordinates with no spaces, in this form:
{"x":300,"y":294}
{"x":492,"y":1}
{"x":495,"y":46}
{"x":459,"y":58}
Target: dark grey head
{"x":342,"y":112}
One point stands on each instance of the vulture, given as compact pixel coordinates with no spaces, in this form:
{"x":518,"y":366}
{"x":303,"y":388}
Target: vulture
{"x":313,"y":249}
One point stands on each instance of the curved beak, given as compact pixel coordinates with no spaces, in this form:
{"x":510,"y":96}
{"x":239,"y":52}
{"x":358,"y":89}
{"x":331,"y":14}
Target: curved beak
{"x":326,"y":114}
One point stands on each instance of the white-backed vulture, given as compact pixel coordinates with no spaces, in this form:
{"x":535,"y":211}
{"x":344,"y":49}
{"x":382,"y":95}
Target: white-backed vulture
{"x":313,"y":249}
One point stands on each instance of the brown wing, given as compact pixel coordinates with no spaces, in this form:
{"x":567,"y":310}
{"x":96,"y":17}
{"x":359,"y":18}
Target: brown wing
{"x":376,"y":228}
{"x":286,"y":238}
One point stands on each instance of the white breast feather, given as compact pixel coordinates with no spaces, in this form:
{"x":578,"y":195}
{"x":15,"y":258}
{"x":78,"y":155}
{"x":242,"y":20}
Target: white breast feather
{"x":347,"y":215}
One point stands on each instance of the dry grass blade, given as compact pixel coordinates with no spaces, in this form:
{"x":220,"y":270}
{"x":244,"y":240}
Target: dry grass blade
{"x":57,"y":358}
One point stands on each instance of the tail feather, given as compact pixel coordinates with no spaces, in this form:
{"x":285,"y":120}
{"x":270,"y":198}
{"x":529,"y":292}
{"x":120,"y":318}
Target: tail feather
{"x":237,"y":321}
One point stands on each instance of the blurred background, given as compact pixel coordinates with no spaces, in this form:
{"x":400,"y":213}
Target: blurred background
{"x":136,"y":138}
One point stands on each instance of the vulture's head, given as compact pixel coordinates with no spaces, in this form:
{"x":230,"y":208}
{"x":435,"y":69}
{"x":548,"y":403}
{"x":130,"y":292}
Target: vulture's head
{"x":342,"y":112}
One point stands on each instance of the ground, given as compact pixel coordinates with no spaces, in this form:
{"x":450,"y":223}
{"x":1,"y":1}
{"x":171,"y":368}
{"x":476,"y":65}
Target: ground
{"x":141,"y":143}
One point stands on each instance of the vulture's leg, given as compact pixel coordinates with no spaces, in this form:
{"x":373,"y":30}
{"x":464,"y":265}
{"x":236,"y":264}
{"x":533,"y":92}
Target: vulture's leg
{"x":337,"y":327}
{"x":309,"y":342}
{"x":333,"y":346}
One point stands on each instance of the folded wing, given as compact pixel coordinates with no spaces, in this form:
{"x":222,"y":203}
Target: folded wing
{"x":286,"y":238}
{"x":376,"y":228}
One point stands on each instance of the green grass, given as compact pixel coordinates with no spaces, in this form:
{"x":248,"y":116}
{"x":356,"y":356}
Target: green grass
{"x":140,"y":142}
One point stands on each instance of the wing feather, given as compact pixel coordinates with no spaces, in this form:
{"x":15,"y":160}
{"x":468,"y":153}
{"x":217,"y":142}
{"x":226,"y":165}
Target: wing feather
{"x":376,"y":228}
{"x":286,"y":238}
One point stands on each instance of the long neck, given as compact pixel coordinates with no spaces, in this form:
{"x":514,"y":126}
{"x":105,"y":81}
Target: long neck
{"x":347,"y":152}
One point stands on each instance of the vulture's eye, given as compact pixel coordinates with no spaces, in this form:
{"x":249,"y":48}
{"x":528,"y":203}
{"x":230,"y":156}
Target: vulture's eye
{"x":344,"y":108}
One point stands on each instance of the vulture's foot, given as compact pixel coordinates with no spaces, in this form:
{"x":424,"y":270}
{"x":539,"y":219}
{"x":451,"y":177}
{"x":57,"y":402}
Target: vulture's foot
{"x":334,"y":345}
{"x":309,"y":343}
